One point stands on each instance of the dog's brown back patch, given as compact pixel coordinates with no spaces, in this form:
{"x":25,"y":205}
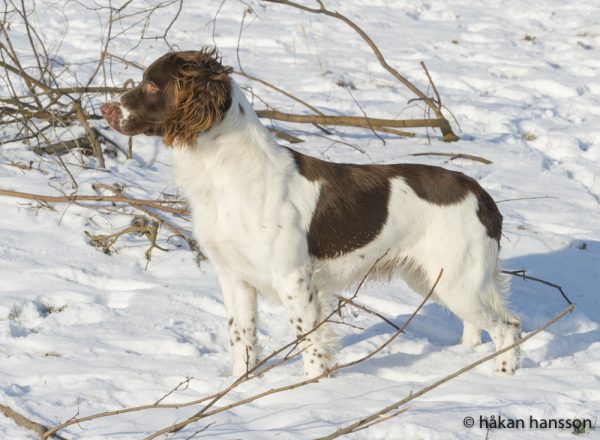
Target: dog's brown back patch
{"x":353,"y":203}
{"x":352,"y":206}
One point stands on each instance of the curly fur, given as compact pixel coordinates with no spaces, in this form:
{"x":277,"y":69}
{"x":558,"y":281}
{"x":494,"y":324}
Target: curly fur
{"x":201,"y":86}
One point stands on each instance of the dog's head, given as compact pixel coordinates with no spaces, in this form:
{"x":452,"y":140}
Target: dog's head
{"x":181,"y":95}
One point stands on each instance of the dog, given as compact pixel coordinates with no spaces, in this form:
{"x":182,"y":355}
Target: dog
{"x":300,"y":229}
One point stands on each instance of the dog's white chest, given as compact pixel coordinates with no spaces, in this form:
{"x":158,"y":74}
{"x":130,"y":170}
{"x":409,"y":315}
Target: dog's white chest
{"x":248,"y":214}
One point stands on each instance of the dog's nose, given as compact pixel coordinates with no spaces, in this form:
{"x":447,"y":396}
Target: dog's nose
{"x":106,"y":109}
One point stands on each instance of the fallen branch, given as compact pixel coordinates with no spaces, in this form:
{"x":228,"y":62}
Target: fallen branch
{"x":156,"y":203}
{"x":63,"y":147}
{"x":140,"y":225}
{"x":26,"y":423}
{"x":185,"y":235}
{"x":351,"y":121}
{"x":373,"y":418}
{"x":193,"y":244}
{"x":285,"y":136}
{"x":76,"y":421}
{"x":453,"y":156}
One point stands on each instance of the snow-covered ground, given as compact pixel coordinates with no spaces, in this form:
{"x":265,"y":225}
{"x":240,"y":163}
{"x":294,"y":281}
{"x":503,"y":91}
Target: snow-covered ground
{"x":83,"y":332}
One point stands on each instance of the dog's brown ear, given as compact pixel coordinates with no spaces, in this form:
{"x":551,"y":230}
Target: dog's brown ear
{"x":201,"y":89}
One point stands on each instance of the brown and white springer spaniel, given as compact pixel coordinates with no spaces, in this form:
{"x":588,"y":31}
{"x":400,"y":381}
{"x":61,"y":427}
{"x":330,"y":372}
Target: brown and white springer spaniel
{"x":300,"y":229}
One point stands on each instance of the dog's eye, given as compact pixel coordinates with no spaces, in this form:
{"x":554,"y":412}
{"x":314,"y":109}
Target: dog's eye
{"x":150,"y":88}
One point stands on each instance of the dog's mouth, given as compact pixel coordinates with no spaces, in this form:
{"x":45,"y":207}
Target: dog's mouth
{"x":113,"y":114}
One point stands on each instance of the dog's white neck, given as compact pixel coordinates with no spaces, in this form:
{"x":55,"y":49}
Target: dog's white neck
{"x":238,"y":154}
{"x":240,"y":129}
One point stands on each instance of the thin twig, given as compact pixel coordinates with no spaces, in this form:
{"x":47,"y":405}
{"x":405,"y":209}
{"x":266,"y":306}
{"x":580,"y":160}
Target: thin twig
{"x":526,"y":198}
{"x":521,"y":274}
{"x":453,"y":156}
{"x":438,"y":100}
{"x":90,"y":133}
{"x":365,"y":115}
{"x":372,"y":312}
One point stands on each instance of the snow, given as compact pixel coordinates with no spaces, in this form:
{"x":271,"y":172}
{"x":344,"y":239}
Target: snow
{"x":83,"y":332}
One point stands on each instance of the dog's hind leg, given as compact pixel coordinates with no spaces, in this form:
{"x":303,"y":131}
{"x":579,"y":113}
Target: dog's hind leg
{"x":471,"y":336}
{"x":481,"y":304}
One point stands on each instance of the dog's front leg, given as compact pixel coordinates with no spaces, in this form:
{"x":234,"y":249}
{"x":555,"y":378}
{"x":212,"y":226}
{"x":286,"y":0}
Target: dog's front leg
{"x":240,"y":302}
{"x":303,"y":306}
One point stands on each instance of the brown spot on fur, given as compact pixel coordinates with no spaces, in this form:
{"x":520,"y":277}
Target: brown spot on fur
{"x":352,"y":206}
{"x":353,"y":203}
{"x":230,"y":322}
{"x":444,"y":187}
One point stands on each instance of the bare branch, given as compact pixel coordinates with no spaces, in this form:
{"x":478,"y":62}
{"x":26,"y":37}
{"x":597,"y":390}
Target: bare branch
{"x":26,"y":423}
{"x":526,"y":198}
{"x":444,"y":126}
{"x":156,"y":204}
{"x":453,"y":156}
{"x":372,"y":312}
{"x":521,"y":274}
{"x":350,"y":121}
{"x":90,"y":133}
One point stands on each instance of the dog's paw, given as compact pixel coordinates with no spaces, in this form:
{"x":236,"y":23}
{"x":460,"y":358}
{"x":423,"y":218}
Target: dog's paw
{"x":507,"y":364}
{"x":316,"y":369}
